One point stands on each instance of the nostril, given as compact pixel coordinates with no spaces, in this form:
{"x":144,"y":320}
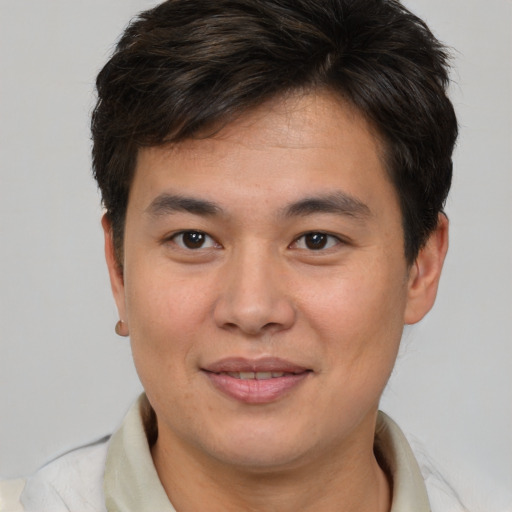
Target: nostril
{"x":254,"y":330}
{"x":230,"y":326}
{"x":272,"y":325}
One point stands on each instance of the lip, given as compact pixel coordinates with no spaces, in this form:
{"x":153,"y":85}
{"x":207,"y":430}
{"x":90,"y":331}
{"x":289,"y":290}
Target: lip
{"x":253,"y":391}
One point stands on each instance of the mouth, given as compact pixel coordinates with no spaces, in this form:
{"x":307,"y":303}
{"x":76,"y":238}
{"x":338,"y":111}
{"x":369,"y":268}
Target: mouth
{"x":257,"y":375}
{"x":259,"y":381}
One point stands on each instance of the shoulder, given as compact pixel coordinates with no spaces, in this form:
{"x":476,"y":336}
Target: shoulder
{"x":418,"y":478}
{"x":459,"y":490}
{"x":72,"y":482}
{"x":10,"y":492}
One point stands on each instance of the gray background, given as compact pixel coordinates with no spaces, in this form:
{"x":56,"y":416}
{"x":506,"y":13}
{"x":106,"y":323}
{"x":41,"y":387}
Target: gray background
{"x":66,"y":379}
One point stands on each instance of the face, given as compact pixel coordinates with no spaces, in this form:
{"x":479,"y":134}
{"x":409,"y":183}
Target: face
{"x":264,"y":285}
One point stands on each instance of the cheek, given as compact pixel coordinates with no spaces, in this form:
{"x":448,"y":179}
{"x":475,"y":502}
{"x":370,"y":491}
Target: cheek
{"x":165,"y":315}
{"x":159,"y":296}
{"x":359,"y":314}
{"x":162,"y":338}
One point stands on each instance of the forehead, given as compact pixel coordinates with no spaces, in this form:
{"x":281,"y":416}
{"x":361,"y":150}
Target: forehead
{"x":312,"y":141}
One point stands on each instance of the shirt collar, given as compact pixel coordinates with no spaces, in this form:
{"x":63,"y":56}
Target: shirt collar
{"x":131,"y":481}
{"x":395,"y":454}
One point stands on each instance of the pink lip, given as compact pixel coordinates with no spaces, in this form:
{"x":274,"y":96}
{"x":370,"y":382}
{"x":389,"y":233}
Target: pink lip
{"x":253,"y":391}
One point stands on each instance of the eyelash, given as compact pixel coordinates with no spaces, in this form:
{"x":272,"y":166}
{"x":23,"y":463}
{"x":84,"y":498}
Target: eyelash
{"x":198,"y":234}
{"x":330,"y":241}
{"x":324,"y":241}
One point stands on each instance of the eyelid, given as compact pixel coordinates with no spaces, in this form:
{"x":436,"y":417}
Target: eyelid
{"x":211,"y":243}
{"x":336,"y":238}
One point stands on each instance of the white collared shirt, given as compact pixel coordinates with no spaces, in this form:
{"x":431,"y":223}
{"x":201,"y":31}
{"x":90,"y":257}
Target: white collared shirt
{"x":118,"y":475}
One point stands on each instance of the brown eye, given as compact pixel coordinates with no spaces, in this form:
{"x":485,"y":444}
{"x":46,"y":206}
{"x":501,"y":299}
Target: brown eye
{"x":193,"y":240}
{"x":316,"y":241}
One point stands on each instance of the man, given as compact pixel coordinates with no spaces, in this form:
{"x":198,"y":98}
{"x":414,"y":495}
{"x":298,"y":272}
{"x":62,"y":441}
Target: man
{"x":274,"y":173}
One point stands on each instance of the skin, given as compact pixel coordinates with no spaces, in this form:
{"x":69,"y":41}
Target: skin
{"x":255,"y":289}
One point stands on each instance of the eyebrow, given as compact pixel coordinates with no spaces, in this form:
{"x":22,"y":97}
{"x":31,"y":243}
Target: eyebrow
{"x":339,"y":203}
{"x":165,"y":204}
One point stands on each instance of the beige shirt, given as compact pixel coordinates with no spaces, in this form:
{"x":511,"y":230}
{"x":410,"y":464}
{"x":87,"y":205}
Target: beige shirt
{"x":118,"y":475}
{"x":132,"y":484}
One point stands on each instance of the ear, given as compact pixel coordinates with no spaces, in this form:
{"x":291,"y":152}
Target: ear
{"x":115,"y":270}
{"x":425,"y":273}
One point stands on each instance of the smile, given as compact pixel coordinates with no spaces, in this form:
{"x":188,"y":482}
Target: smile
{"x":259,"y":381}
{"x":256,"y":375}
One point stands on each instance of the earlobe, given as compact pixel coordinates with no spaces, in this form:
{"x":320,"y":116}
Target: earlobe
{"x":114,"y":268}
{"x":425,"y":273}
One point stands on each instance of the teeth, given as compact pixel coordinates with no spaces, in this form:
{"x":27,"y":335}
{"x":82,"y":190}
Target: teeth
{"x":255,"y":375}
{"x":263,"y":375}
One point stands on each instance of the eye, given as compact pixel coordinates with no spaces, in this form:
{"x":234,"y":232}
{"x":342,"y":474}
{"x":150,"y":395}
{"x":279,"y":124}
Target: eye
{"x":191,"y":240}
{"x":316,"y":241}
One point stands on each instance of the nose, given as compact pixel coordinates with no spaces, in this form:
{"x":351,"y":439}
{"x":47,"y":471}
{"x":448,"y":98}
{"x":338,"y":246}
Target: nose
{"x":253,"y":297}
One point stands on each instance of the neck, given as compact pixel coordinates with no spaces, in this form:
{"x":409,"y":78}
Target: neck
{"x":346,"y":480}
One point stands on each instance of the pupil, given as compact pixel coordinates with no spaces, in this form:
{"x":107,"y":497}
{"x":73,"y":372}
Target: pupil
{"x":316,"y":241}
{"x":193,"y":239}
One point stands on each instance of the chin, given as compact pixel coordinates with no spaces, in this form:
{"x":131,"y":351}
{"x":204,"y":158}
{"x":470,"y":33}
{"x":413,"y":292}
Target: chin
{"x":260,"y":451}
{"x":261,"y":459}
